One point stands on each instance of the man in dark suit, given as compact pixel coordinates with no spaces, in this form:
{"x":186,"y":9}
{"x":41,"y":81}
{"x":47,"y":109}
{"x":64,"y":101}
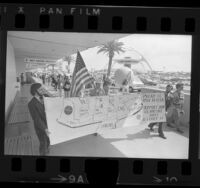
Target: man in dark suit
{"x":37,"y":111}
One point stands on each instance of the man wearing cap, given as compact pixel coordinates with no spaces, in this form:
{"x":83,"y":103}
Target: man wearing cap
{"x":37,"y":111}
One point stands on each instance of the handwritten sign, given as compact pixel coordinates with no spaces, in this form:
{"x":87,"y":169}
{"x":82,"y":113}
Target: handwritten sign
{"x":108,"y":125}
{"x":76,"y":117}
{"x":79,"y":112}
{"x":153,"y":107}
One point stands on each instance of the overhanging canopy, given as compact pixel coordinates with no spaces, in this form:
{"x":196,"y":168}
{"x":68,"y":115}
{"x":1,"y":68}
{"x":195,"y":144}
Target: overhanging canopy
{"x":55,"y":45}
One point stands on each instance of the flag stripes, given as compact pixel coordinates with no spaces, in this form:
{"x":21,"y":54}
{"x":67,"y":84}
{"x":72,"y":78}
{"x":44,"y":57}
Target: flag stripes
{"x":80,"y":76}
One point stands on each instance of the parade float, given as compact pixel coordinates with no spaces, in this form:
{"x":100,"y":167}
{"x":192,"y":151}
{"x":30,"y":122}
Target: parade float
{"x":70,"y":118}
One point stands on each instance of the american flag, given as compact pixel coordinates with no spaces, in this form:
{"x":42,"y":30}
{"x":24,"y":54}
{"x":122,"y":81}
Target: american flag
{"x":80,"y":76}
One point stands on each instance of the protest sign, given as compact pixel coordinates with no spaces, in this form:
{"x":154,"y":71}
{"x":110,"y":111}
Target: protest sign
{"x":59,"y":131}
{"x":153,"y":107}
{"x":75,"y":117}
{"x":101,"y":109}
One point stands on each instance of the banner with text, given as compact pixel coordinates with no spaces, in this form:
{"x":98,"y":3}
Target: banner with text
{"x":153,"y":107}
{"x":75,"y":117}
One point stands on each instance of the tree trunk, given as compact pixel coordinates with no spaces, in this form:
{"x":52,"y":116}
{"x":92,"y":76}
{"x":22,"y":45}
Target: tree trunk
{"x":109,"y":66}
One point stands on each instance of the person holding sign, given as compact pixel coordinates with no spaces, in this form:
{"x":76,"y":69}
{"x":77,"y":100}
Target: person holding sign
{"x":37,"y":112}
{"x":160,"y":124}
{"x":160,"y":129}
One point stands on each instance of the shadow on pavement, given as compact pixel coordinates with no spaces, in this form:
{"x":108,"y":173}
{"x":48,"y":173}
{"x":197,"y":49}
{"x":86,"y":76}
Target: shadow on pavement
{"x":87,"y":146}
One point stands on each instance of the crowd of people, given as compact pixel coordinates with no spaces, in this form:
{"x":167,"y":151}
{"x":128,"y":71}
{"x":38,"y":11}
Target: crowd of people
{"x":59,"y":82}
{"x":62,"y":84}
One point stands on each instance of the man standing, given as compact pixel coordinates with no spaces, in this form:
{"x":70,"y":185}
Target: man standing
{"x":37,"y":111}
{"x":178,"y":101}
{"x":168,"y":105}
{"x":22,"y":78}
{"x":168,"y":99}
{"x":43,"y":78}
{"x":98,"y":90}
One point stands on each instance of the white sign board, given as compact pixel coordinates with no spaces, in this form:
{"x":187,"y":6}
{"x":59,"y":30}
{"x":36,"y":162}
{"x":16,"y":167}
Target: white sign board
{"x":153,"y":107}
{"x":75,"y":117}
{"x":59,"y":132}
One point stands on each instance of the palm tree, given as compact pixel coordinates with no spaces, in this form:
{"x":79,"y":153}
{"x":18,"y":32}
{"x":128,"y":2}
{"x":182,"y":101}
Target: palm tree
{"x":69,"y":59}
{"x":110,"y":49}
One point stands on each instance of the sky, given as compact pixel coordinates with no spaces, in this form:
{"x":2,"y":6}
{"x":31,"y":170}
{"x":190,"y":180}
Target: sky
{"x":170,"y":53}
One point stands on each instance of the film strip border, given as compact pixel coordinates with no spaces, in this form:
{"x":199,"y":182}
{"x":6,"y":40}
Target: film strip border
{"x":100,"y":171}
{"x":100,"y":19}
{"x":105,"y":20}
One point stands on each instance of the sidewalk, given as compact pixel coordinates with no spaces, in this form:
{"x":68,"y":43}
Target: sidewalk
{"x":20,"y":136}
{"x":132,"y":142}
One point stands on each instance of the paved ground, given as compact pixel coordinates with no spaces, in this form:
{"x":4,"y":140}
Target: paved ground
{"x":20,"y":137}
{"x":136,"y":141}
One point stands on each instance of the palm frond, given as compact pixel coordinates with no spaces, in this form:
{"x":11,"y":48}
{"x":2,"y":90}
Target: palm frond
{"x":111,"y":47}
{"x":103,"y":49}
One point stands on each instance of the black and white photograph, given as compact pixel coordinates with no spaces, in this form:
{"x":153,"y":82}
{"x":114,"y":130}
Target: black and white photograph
{"x":97,"y":94}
